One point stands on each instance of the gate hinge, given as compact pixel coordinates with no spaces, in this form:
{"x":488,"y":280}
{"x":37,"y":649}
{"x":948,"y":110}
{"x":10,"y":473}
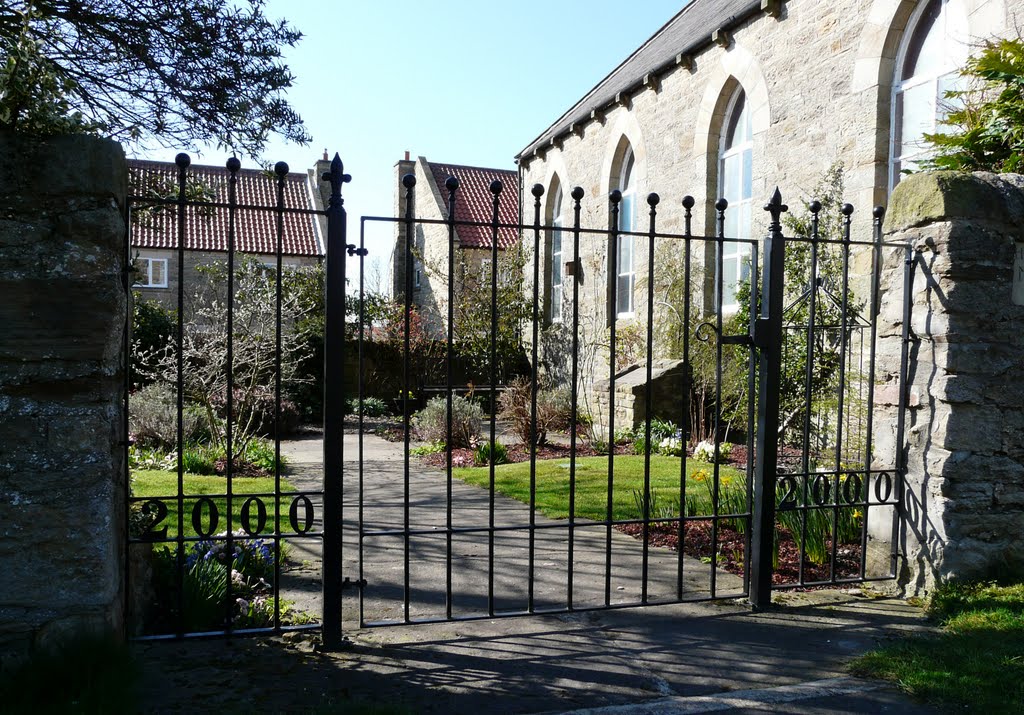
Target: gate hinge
{"x":763,"y":330}
{"x":348,"y":583}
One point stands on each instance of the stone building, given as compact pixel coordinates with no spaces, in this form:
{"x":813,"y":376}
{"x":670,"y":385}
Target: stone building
{"x":154,"y":230}
{"x":471,"y":245}
{"x":732,"y":98}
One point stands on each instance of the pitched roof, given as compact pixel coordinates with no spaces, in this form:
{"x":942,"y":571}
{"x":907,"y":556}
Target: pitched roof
{"x":686,"y":33}
{"x":475,"y":202}
{"x":206,"y":227}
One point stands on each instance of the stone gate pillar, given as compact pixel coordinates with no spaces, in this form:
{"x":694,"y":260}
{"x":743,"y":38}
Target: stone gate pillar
{"x":62,"y":320}
{"x":964,"y":491}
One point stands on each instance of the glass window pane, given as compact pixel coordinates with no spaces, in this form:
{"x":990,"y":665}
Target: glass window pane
{"x":626,"y":213}
{"x":625,"y":254}
{"x":732,"y":226}
{"x":918,"y":116}
{"x":745,"y":220}
{"x":624,"y":294}
{"x":729,"y":268}
{"x":158,"y":273}
{"x":731,"y":178}
{"x":748,"y":175}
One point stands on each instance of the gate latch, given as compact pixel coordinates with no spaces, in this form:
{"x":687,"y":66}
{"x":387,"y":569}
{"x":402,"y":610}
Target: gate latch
{"x":737,"y":340}
{"x":348,"y":583}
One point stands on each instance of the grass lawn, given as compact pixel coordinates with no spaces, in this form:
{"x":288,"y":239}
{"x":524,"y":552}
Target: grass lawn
{"x":513,"y":480}
{"x":161,"y":483}
{"x":976,"y":664}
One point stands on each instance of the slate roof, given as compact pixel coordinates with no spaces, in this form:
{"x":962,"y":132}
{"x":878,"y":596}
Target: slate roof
{"x":475,"y":202}
{"x":207,"y":227}
{"x":685,"y":34}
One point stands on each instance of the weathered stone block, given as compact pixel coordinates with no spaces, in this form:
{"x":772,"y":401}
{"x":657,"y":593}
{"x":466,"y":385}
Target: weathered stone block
{"x":63,"y":305}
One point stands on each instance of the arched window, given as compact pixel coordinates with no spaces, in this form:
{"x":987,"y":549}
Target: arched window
{"x":736,"y":178}
{"x":625,"y":275}
{"x":934,"y":50}
{"x":555,"y":259}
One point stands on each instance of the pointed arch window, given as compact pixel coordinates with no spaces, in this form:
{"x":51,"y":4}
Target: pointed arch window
{"x":555,"y":259}
{"x":928,"y":65}
{"x":625,"y":273}
{"x":736,"y":179}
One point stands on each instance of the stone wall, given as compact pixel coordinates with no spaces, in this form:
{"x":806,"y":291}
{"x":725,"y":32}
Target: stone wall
{"x":62,"y":311}
{"x":818,"y":80}
{"x":964,"y":492}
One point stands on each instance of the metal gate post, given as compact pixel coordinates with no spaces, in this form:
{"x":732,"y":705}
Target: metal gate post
{"x":334,"y":404}
{"x":768,"y":340}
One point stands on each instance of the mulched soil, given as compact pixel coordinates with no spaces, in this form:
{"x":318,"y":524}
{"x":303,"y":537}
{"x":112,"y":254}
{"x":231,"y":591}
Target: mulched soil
{"x":697,"y":543}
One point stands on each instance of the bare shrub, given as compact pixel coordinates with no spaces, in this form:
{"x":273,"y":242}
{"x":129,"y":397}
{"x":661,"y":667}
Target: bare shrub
{"x":554,"y":410}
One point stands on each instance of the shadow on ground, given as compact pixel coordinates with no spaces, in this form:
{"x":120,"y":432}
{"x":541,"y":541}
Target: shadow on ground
{"x":544,"y":664}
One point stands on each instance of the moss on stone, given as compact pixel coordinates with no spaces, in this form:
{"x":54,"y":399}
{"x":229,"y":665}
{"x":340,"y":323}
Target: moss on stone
{"x":925,"y":198}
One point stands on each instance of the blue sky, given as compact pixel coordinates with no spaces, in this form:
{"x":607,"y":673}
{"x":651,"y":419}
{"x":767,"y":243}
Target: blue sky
{"x":464,"y":82}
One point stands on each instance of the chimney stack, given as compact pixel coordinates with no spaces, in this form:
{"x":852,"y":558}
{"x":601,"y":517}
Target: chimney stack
{"x":407,"y":155}
{"x":325,"y":155}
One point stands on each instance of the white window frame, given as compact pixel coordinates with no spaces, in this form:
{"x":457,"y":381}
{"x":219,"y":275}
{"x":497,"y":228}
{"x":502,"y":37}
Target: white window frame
{"x":625,"y":271}
{"x":555,"y":260}
{"x":734,"y":252}
{"x":144,"y":268}
{"x":954,"y":52}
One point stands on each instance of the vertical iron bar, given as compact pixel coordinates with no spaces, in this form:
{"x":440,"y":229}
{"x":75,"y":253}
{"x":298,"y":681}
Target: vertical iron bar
{"x":362,"y":396}
{"x":577,"y":196}
{"x":452,"y":184}
{"x":233,"y":166}
{"x":900,"y":457}
{"x":496,"y":187}
{"x":334,"y":410}
{"x":768,"y":339}
{"x":878,"y":214}
{"x":751,"y":411}
{"x":847,"y":211}
{"x":182,"y":161}
{"x":613,"y":262}
{"x":281,"y":169}
{"x":652,"y":201}
{"x":812,"y":305}
{"x":538,"y":192}
{"x":409,"y":182}
{"x":720,"y":206}
{"x":685,"y":426}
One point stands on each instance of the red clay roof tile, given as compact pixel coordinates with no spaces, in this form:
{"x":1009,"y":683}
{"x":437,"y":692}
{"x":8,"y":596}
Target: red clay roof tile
{"x":206,"y":228}
{"x":475,"y":202}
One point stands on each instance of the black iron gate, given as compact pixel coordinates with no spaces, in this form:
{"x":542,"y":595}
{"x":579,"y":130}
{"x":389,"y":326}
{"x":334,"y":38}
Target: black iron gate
{"x":606,"y":517}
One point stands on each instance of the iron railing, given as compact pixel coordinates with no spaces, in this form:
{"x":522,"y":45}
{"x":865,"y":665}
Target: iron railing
{"x":423,"y":546}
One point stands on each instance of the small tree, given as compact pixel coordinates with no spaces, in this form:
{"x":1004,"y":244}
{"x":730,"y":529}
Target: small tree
{"x":988,"y":117}
{"x":829,"y":308}
{"x":472,"y":331}
{"x":254,"y":346}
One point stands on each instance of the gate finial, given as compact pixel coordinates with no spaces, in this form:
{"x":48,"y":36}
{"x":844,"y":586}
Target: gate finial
{"x":776,"y":208}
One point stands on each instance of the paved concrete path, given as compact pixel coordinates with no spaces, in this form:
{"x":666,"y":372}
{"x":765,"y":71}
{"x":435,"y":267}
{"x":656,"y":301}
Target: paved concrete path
{"x":385,"y":558}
